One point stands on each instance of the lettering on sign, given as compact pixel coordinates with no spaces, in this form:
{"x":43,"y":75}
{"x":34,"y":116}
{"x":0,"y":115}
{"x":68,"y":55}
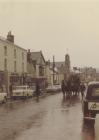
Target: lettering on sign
{"x":94,"y":106}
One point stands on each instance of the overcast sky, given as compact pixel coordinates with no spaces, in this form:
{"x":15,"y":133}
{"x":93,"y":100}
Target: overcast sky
{"x":55,"y":27}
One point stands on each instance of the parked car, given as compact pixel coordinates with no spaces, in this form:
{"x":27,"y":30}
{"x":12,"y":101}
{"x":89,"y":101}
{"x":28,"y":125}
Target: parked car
{"x":3,"y":94}
{"x":3,"y":97}
{"x":90,"y":104}
{"x":53,"y":88}
{"x":23,"y":91}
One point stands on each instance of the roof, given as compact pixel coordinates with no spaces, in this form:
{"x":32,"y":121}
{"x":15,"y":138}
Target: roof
{"x":35,"y":56}
{"x":9,"y":42}
{"x":93,"y":83}
{"x":58,"y":64}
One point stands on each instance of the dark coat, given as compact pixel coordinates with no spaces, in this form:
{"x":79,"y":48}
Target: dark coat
{"x":82,"y":87}
{"x":63,"y":86}
{"x":37,"y":89}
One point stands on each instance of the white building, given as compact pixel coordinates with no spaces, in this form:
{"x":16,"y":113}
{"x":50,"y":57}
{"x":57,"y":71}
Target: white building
{"x":13,"y":61}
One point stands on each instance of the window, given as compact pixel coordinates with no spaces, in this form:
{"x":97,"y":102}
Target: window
{"x":41,"y":71}
{"x":14,"y":66}
{"x":22,"y":67}
{"x":22,"y":55}
{"x":5,"y":64}
{"x":5,"y":50}
{"x":14,"y":53}
{"x":95,"y":92}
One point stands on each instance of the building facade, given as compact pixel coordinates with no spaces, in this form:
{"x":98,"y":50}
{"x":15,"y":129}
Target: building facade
{"x":36,"y":67}
{"x":64,"y":68}
{"x":13,"y":62}
{"x":88,"y":74}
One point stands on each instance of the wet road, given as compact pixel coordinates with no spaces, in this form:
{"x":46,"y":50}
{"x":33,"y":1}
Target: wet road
{"x":52,"y":118}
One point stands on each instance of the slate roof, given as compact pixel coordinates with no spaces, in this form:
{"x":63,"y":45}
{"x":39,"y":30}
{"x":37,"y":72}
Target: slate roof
{"x":58,"y":64}
{"x":9,"y":42}
{"x":36,"y":56}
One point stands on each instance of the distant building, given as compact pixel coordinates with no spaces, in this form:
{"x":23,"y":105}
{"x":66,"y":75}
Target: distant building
{"x":63,"y":68}
{"x":88,"y":74}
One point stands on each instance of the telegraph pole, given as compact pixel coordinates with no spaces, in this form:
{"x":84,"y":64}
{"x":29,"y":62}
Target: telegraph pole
{"x":53,"y":68}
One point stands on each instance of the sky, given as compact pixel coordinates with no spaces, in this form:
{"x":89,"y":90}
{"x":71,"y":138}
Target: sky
{"x":56,"y":27}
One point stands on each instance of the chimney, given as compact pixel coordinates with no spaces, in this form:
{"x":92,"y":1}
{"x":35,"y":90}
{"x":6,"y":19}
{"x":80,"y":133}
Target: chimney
{"x":10,"y":37}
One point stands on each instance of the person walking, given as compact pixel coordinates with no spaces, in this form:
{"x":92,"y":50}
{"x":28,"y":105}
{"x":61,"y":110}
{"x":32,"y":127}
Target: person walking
{"x":37,"y":90}
{"x":82,"y":89}
{"x":11,"y":90}
{"x":63,"y":87}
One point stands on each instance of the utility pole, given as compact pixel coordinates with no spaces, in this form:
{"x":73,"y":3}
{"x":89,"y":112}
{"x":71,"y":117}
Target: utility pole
{"x":53,"y":69}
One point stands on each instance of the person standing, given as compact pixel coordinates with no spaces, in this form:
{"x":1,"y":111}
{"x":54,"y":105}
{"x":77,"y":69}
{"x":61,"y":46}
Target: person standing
{"x":82,"y":89}
{"x":10,"y":90}
{"x":37,"y":90}
{"x":63,"y":87}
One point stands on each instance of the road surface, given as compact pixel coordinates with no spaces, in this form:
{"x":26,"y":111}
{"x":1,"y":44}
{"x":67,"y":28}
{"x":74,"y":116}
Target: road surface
{"x":50,"y":118}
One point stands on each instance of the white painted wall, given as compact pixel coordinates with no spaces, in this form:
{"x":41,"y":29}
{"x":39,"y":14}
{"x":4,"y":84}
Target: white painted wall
{"x":10,"y":57}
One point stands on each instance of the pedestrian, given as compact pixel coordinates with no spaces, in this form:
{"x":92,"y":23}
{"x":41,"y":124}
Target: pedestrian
{"x":69,"y":91}
{"x":10,"y":90}
{"x":82,"y":89}
{"x":63,"y":87}
{"x":37,"y":90}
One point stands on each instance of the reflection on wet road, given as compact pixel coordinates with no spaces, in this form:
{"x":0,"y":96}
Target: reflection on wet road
{"x":88,"y":131}
{"x":52,"y":118}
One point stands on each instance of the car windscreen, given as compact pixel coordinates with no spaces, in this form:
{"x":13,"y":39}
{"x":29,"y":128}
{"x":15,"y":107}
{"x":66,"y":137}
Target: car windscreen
{"x":93,"y":92}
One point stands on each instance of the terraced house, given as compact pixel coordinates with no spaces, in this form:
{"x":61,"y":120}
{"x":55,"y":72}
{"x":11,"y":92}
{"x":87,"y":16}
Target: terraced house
{"x":13,"y":62}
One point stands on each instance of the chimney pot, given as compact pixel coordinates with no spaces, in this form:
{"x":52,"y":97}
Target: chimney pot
{"x":10,"y":37}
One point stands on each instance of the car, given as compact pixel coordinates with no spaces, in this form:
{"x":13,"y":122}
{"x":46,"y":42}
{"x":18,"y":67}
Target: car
{"x":90,"y":103}
{"x":3,"y":97}
{"x":3,"y":94}
{"x":23,"y":91}
{"x":53,"y":88}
